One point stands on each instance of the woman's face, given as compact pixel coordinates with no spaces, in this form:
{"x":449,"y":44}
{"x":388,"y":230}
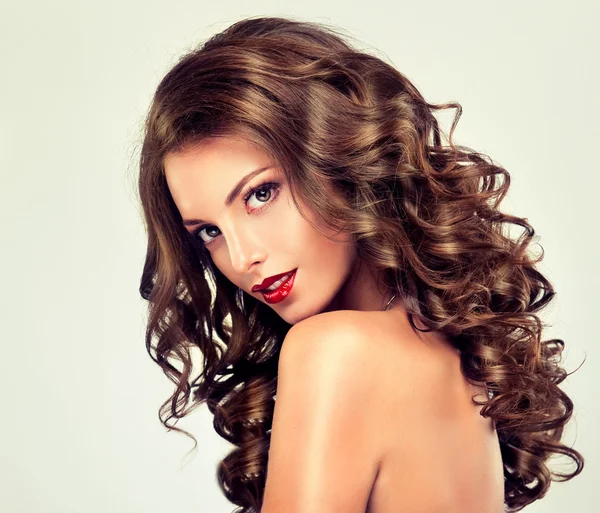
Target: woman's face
{"x":265,"y":235}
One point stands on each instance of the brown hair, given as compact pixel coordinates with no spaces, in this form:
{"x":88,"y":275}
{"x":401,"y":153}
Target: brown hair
{"x":423,"y":214}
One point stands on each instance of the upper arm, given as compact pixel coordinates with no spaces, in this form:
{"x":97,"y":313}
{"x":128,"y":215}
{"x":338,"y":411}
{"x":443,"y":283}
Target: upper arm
{"x":325,"y":450}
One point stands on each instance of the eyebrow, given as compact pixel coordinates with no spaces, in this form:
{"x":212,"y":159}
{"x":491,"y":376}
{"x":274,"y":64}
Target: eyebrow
{"x":232,"y":196}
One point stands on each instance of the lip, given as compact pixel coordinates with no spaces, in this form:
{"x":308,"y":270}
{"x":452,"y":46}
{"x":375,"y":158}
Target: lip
{"x":267,"y":282}
{"x":281,"y":292}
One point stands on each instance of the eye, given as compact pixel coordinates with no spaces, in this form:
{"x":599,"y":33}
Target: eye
{"x":265,"y":198}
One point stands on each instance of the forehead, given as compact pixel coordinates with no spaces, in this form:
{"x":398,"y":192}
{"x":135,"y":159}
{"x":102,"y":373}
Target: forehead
{"x":214,"y":154}
{"x":215,"y":164}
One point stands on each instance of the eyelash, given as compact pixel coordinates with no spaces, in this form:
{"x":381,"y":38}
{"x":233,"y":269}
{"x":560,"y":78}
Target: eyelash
{"x":273,"y":187}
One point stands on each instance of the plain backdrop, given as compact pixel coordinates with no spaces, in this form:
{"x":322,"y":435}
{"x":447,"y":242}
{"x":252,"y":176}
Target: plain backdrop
{"x":79,"y":394}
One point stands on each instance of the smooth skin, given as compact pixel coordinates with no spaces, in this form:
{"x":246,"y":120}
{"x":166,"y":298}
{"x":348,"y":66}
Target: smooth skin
{"x":267,"y":235}
{"x":373,"y":417}
{"x":355,"y":409}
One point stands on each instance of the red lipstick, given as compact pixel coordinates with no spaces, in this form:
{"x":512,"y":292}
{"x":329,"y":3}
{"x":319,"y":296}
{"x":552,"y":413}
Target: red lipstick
{"x":267,"y":282}
{"x":281,"y":292}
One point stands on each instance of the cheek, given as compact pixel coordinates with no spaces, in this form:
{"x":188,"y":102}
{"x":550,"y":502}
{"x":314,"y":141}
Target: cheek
{"x":283,"y":232}
{"x":291,"y":240}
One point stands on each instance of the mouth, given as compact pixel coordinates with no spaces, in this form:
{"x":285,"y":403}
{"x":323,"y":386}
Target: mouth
{"x":282,"y":288}
{"x":271,"y":282}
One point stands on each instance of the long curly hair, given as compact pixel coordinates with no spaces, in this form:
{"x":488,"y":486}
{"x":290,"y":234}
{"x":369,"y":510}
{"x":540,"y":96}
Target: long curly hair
{"x":423,"y":214}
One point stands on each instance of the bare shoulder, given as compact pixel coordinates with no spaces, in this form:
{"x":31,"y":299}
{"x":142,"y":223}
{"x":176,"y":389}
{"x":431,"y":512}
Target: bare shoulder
{"x":329,"y":327}
{"x":345,"y":340}
{"x":392,"y":367}
{"x":325,"y":419}
{"x":353,"y":340}
{"x":380,"y":339}
{"x":354,"y":358}
{"x":346,"y":381}
{"x":337,"y":343}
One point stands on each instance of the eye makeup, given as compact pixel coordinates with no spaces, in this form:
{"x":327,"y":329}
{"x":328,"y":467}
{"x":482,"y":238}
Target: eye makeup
{"x":272,"y":186}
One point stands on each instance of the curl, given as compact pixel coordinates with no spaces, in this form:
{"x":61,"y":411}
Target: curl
{"x":424,"y":213}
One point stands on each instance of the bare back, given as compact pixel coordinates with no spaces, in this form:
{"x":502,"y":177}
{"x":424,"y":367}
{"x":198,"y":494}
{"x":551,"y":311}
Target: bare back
{"x":455,"y":464}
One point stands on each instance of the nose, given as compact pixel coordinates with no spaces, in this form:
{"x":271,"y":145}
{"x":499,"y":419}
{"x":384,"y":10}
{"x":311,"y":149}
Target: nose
{"x":245,"y":249}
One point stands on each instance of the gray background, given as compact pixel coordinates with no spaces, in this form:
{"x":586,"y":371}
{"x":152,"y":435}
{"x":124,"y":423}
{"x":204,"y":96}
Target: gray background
{"x":79,"y":394}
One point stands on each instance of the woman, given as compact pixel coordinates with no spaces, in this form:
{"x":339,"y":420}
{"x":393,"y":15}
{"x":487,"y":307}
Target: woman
{"x":310,"y":235}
